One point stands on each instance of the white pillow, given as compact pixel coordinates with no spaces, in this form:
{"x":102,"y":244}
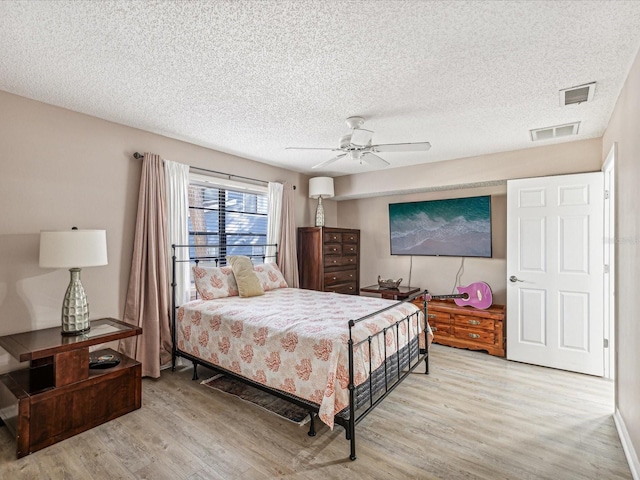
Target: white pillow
{"x":270,"y":276}
{"x":215,"y":282}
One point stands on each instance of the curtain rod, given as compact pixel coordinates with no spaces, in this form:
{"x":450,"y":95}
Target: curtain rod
{"x":229,"y":175}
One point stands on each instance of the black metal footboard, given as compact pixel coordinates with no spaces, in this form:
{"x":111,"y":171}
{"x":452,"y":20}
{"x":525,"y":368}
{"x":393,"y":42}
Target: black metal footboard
{"x":363,"y":398}
{"x":382,"y":381}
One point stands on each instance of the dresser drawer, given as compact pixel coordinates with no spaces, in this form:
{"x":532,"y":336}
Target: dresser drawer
{"x":343,"y":288}
{"x":340,"y":260}
{"x":332,"y":261}
{"x":350,"y":238}
{"x":332,"y":248}
{"x":438,"y":317}
{"x":349,"y":248}
{"x":478,"y":336}
{"x":441,"y":329}
{"x":349,"y":260}
{"x":474,"y":322}
{"x":332,"y":237}
{"x":341,"y":276}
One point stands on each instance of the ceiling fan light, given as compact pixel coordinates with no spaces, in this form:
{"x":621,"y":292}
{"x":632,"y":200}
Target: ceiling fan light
{"x":361,"y":137}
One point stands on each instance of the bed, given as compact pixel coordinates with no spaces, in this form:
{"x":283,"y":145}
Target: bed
{"x":336,"y":355}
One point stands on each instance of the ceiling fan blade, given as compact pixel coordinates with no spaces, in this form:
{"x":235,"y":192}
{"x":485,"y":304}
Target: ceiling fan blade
{"x":328,"y":162}
{"x":402,"y":147}
{"x":374,"y":160}
{"x":360,"y":136}
{"x":311,"y":148}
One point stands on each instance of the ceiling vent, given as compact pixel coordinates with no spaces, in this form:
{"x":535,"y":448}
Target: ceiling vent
{"x":557,"y":131}
{"x":579,"y":94}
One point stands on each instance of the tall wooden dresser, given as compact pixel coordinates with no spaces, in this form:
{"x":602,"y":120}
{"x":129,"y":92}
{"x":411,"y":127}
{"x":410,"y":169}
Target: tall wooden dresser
{"x":329,"y":259}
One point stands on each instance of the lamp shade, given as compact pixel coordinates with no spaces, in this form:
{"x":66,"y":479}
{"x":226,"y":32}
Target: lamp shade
{"x":73,"y":249}
{"x":321,"y":187}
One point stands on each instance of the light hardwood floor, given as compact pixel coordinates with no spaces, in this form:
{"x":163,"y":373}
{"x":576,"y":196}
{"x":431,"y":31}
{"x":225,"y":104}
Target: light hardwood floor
{"x":474,"y":417}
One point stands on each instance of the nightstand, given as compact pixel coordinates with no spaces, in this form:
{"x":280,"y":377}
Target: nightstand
{"x":399,"y":293}
{"x":58,"y":396}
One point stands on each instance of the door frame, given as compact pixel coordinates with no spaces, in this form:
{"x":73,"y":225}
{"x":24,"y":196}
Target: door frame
{"x":609,"y":310}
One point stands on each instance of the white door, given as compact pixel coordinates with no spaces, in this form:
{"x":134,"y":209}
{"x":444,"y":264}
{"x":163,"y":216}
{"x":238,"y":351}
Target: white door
{"x":555,"y":272}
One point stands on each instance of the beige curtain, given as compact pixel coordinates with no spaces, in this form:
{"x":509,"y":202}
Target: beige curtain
{"x":147,"y":303}
{"x":287,"y":252}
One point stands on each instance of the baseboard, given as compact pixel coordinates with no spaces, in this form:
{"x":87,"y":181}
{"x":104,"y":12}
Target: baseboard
{"x":627,"y":446}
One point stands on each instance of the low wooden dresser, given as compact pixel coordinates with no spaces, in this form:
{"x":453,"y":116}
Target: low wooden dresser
{"x":58,"y":396}
{"x":467,"y":327}
{"x":329,"y":259}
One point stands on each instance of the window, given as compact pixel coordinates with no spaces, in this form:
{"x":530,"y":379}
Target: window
{"x":232,"y":216}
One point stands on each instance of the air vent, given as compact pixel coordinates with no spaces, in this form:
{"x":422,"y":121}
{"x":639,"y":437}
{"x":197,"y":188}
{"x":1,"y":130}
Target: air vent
{"x":548,"y":133}
{"x":579,"y":94}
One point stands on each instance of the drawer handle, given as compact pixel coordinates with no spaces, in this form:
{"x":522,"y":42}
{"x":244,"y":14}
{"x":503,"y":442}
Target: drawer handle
{"x":333,"y":278}
{"x":474,"y":322}
{"x":431,"y":315}
{"x":474,"y":335}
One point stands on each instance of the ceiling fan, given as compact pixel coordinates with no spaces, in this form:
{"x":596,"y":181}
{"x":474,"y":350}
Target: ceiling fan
{"x":357,"y":145}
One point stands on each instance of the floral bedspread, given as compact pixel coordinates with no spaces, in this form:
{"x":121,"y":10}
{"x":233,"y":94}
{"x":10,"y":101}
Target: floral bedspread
{"x":294,"y":340}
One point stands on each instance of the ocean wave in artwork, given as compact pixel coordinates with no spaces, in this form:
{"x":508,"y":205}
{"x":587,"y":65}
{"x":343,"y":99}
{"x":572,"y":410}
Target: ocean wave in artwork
{"x":442,"y":231}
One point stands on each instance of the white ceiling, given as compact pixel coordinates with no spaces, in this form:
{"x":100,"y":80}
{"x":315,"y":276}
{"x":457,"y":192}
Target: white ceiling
{"x":253,"y":77}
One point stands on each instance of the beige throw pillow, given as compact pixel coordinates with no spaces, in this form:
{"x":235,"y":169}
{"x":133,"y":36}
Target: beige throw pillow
{"x":246,"y":278}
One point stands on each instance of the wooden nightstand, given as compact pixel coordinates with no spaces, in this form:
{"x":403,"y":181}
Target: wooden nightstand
{"x":58,"y":396}
{"x":399,"y":293}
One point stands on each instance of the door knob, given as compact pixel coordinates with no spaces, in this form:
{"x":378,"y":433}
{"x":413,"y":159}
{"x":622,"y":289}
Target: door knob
{"x":514,"y":279}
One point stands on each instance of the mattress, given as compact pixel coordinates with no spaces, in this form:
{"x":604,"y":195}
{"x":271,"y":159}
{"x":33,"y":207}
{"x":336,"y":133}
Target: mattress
{"x":296,"y":340}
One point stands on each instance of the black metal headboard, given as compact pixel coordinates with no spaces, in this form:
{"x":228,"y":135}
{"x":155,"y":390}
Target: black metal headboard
{"x":217,"y":254}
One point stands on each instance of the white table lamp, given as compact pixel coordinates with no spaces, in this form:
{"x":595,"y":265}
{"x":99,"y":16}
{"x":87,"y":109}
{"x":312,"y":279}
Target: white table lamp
{"x":320,"y":187}
{"x":74,"y":249}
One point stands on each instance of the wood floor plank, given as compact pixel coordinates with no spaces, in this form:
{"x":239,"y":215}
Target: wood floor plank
{"x":474,"y":417}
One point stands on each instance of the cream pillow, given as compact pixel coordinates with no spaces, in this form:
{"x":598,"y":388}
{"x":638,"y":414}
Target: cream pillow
{"x":246,"y":278}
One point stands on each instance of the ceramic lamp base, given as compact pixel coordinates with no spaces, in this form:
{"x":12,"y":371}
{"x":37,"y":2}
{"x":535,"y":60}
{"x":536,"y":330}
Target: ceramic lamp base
{"x":75,"y":308}
{"x":320,"y":214}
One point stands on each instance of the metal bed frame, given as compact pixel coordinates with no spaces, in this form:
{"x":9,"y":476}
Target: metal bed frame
{"x":363,"y":398}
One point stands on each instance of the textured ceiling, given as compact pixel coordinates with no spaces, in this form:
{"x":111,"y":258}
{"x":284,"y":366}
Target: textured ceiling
{"x":253,"y":77}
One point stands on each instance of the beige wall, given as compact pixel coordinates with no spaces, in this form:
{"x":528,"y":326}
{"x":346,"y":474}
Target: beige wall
{"x":60,"y":169}
{"x":624,"y":129}
{"x":558,"y":159}
{"x":438,"y":274}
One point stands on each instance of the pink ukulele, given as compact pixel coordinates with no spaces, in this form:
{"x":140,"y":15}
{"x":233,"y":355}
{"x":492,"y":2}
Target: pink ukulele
{"x":477,"y":294}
